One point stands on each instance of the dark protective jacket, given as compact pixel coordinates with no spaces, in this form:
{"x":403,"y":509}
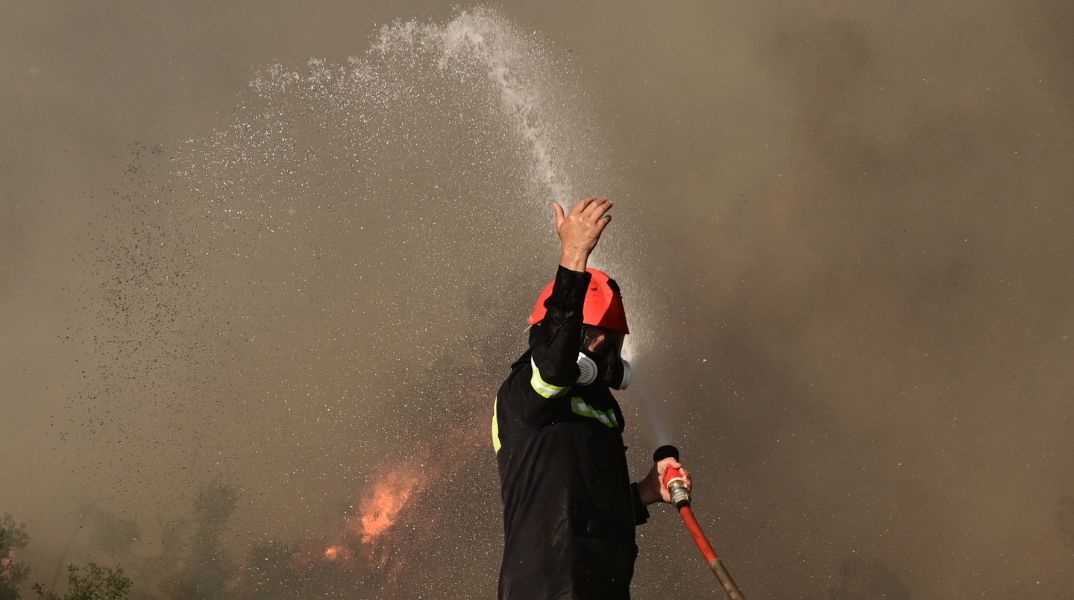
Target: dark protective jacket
{"x":569,"y":508}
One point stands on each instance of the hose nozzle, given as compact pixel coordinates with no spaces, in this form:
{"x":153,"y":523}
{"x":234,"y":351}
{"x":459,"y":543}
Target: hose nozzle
{"x":680,"y":496}
{"x":673,"y":479}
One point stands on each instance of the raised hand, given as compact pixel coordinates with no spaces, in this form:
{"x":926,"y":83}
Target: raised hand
{"x":580,"y":230}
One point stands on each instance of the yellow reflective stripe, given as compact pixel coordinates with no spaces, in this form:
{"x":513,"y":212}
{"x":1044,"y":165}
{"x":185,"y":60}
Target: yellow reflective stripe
{"x":542,"y":387}
{"x":607,"y":417}
{"x":495,"y":430}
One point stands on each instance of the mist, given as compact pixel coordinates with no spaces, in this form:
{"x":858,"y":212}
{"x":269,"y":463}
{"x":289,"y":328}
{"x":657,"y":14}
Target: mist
{"x":264,"y":268}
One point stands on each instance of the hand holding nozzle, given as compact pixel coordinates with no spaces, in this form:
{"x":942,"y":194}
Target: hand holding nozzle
{"x":667,"y":481}
{"x":675,"y":480}
{"x":676,"y":485}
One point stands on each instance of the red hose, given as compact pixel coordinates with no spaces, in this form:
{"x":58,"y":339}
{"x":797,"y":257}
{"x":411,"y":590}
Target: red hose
{"x":709,"y":553}
{"x":699,"y":536}
{"x":675,"y":482}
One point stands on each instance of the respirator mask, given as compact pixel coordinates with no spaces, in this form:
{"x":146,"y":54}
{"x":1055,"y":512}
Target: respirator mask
{"x":604,"y":362}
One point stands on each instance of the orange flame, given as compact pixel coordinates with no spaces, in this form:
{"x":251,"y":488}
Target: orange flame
{"x":381,"y":509}
{"x":334,"y":552}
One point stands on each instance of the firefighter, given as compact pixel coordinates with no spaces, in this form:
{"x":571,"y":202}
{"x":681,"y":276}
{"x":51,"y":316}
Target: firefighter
{"x":569,"y":507}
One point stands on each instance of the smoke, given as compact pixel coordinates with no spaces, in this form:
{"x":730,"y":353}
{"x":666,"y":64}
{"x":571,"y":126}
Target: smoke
{"x":864,"y":579}
{"x":288,"y":303}
{"x":1064,"y":520}
{"x":842,"y":231}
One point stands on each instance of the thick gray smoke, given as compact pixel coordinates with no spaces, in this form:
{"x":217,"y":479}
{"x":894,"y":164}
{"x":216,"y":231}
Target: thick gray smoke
{"x":309,"y":302}
{"x":843,"y":232}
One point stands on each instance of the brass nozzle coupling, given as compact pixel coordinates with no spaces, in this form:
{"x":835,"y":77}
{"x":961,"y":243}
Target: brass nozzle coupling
{"x":680,"y":496}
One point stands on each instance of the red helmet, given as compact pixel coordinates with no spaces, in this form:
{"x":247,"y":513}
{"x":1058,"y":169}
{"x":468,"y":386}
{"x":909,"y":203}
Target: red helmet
{"x":603,"y":303}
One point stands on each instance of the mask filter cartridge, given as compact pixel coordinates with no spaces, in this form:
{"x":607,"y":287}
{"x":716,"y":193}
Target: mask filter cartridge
{"x":587,"y":369}
{"x":616,"y":374}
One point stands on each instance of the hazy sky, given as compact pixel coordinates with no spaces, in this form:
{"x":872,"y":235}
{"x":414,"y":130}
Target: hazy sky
{"x":844,"y":230}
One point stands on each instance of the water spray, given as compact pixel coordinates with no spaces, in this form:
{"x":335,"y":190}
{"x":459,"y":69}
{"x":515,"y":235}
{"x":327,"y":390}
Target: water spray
{"x":680,"y":497}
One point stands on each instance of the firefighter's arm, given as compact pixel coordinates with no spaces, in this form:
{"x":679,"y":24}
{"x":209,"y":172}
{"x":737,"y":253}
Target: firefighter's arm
{"x":554,"y":342}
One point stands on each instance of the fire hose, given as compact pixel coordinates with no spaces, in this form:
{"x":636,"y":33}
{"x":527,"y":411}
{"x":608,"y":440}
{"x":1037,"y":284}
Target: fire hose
{"x":680,"y":497}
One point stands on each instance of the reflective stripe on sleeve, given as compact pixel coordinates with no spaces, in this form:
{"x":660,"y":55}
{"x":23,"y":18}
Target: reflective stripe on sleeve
{"x":607,"y":417}
{"x":542,"y":387}
{"x":495,"y":430}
